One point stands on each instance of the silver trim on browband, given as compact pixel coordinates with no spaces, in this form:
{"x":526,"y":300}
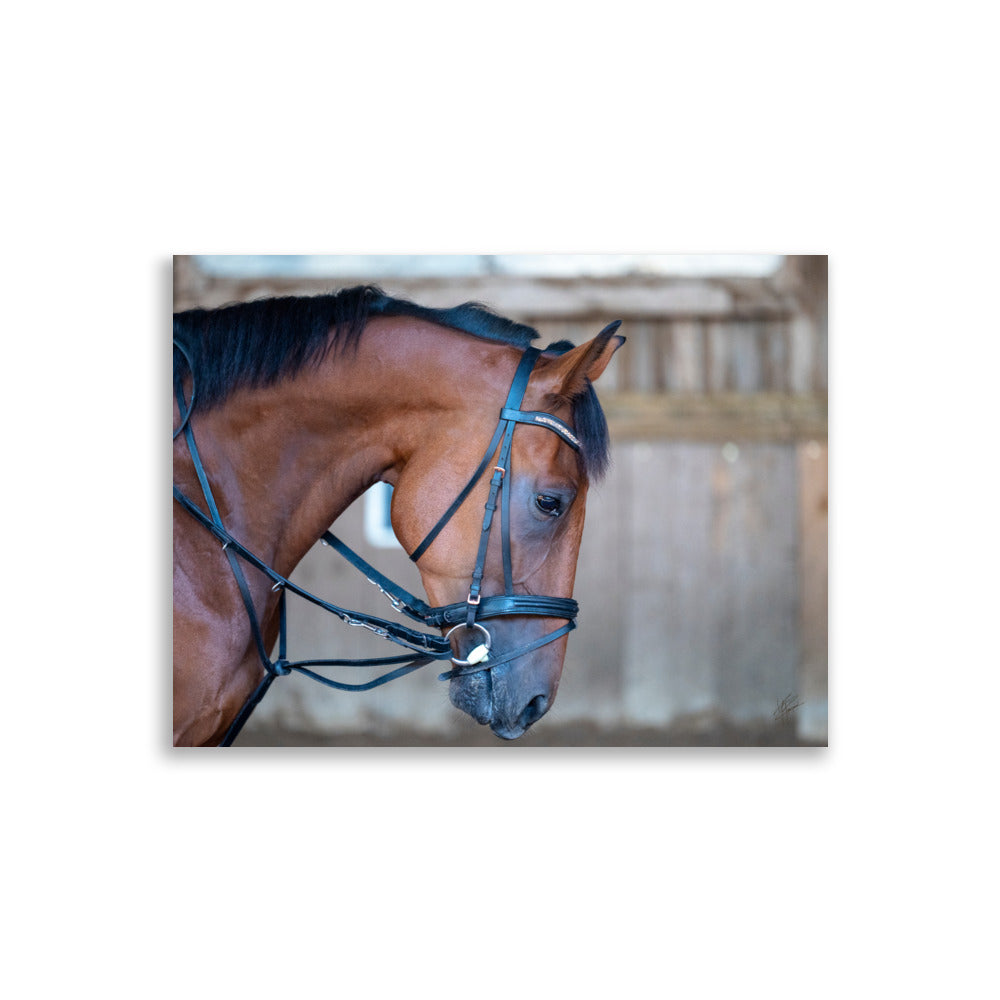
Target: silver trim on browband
{"x":542,"y":419}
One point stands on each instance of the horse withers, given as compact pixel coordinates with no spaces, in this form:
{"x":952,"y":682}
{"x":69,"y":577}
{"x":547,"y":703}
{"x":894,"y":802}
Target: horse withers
{"x":288,"y":409}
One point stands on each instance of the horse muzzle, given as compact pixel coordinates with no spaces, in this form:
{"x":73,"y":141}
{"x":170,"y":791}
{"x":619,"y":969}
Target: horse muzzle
{"x":499,"y":681}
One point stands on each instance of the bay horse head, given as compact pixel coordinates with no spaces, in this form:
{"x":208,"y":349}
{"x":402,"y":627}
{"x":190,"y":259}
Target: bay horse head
{"x":299,"y":405}
{"x":516,"y":583}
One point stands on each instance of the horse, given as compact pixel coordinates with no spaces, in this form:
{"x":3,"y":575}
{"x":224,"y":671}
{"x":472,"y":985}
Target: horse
{"x":288,"y":409}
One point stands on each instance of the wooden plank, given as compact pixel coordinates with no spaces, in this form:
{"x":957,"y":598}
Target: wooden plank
{"x":517,"y":296}
{"x":640,"y":359}
{"x":720,"y":417}
{"x":667,"y":620}
{"x":822,"y":359}
{"x":754,"y":597}
{"x":685,"y":370}
{"x":717,"y":357}
{"x":802,"y":353}
{"x":775,"y":357}
{"x":711,"y":620}
{"x":661,"y":332}
{"x":813,"y":574}
{"x":746,"y":369}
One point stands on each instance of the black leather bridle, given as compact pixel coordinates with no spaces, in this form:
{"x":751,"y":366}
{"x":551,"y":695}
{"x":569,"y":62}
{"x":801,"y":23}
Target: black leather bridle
{"x":424,"y":647}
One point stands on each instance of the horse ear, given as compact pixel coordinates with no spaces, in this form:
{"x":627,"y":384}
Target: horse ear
{"x":570,"y":372}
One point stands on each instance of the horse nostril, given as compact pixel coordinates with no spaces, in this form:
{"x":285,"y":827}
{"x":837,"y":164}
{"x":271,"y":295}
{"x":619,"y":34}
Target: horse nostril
{"x":534,"y":710}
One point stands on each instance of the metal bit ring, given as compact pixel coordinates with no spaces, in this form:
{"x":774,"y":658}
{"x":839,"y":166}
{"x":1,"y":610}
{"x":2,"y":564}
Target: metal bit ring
{"x":487,"y":642}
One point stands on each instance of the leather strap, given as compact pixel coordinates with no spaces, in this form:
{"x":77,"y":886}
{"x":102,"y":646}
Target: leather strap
{"x":400,"y":599}
{"x":461,"y":498}
{"x":185,"y":412}
{"x":515,"y":394}
{"x":419,"y":642}
{"x":493,"y":606}
{"x":501,"y":605}
{"x":489,"y":663}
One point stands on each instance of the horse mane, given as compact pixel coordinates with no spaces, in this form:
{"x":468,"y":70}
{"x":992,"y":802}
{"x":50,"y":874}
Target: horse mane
{"x":255,"y":344}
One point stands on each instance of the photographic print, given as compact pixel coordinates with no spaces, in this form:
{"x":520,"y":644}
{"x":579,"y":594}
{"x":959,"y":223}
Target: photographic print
{"x":500,"y":500}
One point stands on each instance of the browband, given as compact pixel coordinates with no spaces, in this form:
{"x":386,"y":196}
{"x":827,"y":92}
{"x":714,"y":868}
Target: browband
{"x":542,"y":420}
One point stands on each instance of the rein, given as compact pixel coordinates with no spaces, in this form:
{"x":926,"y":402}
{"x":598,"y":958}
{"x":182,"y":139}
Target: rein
{"x":423,"y":647}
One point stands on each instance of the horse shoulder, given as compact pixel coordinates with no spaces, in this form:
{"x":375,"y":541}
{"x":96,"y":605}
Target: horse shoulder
{"x":215,"y":661}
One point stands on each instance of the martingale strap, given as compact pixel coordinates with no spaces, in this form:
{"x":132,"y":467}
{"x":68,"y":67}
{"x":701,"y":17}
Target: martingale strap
{"x":423,"y":647}
{"x":420,"y":642}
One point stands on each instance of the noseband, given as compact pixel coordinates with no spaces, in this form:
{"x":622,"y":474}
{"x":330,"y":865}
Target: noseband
{"x":467,"y":615}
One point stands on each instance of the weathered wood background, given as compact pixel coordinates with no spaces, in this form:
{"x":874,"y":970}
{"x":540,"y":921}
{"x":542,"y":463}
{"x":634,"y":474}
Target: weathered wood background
{"x":703,"y":573}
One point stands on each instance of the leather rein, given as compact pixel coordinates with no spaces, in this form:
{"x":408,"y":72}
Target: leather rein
{"x":423,"y":648}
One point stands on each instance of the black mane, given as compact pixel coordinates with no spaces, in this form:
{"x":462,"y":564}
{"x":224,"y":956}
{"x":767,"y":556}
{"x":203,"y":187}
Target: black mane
{"x":255,"y":344}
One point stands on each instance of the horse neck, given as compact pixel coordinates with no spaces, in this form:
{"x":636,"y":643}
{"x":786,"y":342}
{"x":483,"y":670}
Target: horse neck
{"x":286,"y":460}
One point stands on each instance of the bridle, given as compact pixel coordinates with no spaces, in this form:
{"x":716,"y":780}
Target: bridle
{"x":424,"y":647}
{"x":476,"y":605}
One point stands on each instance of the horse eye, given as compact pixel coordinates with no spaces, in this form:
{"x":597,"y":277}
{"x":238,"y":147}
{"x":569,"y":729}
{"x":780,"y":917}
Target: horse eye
{"x":548,"y":505}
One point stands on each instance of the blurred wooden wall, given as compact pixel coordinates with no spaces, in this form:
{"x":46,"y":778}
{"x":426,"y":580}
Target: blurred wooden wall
{"x":703,"y":574}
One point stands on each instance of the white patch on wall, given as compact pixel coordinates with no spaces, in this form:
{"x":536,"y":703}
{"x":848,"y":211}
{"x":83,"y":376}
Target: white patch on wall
{"x":378,"y":524}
